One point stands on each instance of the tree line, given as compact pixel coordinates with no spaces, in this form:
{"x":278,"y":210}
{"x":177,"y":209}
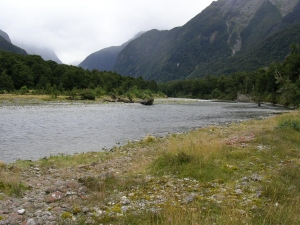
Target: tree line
{"x":279,"y":83}
{"x":20,"y":73}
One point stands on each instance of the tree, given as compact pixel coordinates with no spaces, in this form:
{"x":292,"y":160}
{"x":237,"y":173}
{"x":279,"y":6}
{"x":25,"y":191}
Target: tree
{"x":6,"y":83}
{"x":22,"y":76}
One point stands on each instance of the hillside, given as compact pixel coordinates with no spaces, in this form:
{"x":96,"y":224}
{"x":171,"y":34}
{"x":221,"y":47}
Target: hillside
{"x":9,"y":47}
{"x":103,"y":59}
{"x":5,"y":36}
{"x":106,"y":58}
{"x":45,"y":53}
{"x":225,"y":31}
{"x":273,"y":49}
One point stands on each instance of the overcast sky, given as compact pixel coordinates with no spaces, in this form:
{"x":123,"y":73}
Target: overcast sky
{"x":76,"y":28}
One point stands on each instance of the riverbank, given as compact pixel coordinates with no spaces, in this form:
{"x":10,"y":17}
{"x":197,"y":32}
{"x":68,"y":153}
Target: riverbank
{"x":246,"y":173}
{"x":12,"y":99}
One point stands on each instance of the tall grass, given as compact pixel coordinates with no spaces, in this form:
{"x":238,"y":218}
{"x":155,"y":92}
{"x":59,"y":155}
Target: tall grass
{"x":270,"y":147}
{"x":10,"y":183}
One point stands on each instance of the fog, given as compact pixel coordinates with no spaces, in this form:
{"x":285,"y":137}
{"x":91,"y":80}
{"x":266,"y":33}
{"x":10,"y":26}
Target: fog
{"x":75,"y":29}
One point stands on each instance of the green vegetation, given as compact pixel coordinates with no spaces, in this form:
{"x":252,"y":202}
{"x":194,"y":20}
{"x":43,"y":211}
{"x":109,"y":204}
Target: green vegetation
{"x":279,"y":83}
{"x":20,"y":74}
{"x":9,"y":47}
{"x":10,"y":183}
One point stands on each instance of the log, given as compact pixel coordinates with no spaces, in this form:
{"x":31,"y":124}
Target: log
{"x":115,"y":98}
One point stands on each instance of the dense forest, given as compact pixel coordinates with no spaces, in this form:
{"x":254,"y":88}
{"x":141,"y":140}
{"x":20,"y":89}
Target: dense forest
{"x":279,"y":84}
{"x":20,"y":73}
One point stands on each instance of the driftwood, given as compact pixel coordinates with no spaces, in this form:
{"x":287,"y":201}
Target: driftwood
{"x":147,"y":101}
{"x":115,"y":98}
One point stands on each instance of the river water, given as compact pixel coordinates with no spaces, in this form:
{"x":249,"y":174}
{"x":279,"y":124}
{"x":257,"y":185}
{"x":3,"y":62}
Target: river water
{"x":35,"y":131}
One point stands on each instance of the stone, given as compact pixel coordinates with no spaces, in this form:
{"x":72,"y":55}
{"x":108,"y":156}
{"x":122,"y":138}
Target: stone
{"x":256,"y":177}
{"x":245,"y":179}
{"x":125,"y":208}
{"x":55,"y":196}
{"x":125,"y":200}
{"x":31,"y":221}
{"x":218,"y":197}
{"x":52,"y":189}
{"x":15,"y":218}
{"x":238,"y":191}
{"x":73,"y":185}
{"x":21,"y":211}
{"x":190,"y":198}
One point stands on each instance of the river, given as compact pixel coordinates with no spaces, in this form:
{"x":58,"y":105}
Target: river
{"x":31,"y":132}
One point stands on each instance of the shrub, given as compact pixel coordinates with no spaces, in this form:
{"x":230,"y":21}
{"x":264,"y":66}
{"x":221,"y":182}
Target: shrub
{"x":12,"y":189}
{"x":294,"y":124}
{"x":87,"y":95}
{"x":23,"y":90}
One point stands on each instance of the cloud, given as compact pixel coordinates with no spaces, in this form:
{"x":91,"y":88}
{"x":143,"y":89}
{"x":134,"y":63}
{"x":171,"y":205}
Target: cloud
{"x":75,"y":29}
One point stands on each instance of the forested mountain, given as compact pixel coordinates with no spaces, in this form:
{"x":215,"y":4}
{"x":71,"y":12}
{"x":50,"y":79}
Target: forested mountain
{"x":6,"y":45}
{"x":103,"y":59}
{"x":222,"y":39}
{"x":278,"y":83}
{"x":106,"y":58}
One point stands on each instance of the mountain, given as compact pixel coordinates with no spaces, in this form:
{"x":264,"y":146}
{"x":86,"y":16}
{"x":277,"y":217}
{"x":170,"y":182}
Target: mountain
{"x":6,"y":45}
{"x":5,"y":36}
{"x":45,"y":53}
{"x":106,"y":58}
{"x":103,"y":59}
{"x":218,"y":40}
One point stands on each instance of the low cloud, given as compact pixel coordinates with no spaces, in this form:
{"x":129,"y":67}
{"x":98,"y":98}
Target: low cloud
{"x":75,"y":29}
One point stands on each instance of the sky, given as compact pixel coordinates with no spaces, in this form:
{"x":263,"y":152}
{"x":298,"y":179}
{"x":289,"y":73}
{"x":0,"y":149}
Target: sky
{"x":76,"y":28}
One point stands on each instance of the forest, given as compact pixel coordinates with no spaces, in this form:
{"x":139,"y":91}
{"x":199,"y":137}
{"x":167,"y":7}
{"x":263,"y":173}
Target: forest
{"x":279,"y":83}
{"x":21,"y":73}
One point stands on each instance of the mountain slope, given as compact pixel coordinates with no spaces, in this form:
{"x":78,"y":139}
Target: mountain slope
{"x":273,"y":49}
{"x":103,"y":59}
{"x":5,"y":36}
{"x":45,"y":53}
{"x":9,"y":47}
{"x":210,"y":39}
{"x":106,"y":58}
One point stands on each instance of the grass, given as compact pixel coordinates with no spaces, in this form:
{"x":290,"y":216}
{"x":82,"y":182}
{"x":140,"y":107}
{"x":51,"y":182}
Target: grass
{"x":10,"y":183}
{"x":270,"y":148}
{"x":248,"y":173}
{"x":39,"y":99}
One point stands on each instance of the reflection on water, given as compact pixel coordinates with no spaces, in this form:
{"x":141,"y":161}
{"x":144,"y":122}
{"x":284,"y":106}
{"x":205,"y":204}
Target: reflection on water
{"x":32,"y":132}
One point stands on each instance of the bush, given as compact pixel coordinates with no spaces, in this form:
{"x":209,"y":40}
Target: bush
{"x":87,"y":95}
{"x":23,"y":90}
{"x":294,"y":124}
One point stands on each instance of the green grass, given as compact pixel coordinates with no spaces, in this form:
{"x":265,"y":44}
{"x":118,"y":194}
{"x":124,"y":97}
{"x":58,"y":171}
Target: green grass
{"x":10,"y":183}
{"x":270,"y":147}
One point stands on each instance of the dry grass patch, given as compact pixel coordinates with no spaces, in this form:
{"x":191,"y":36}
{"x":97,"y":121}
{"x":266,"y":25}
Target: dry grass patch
{"x":10,"y":183}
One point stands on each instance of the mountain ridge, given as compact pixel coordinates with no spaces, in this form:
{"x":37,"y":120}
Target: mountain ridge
{"x":45,"y":53}
{"x":5,"y":35}
{"x":105,"y":59}
{"x":220,"y":31}
{"x":6,"y":45}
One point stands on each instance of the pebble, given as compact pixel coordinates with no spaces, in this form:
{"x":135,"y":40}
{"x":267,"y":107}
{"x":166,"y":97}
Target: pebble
{"x":51,"y":194}
{"x":21,"y":211}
